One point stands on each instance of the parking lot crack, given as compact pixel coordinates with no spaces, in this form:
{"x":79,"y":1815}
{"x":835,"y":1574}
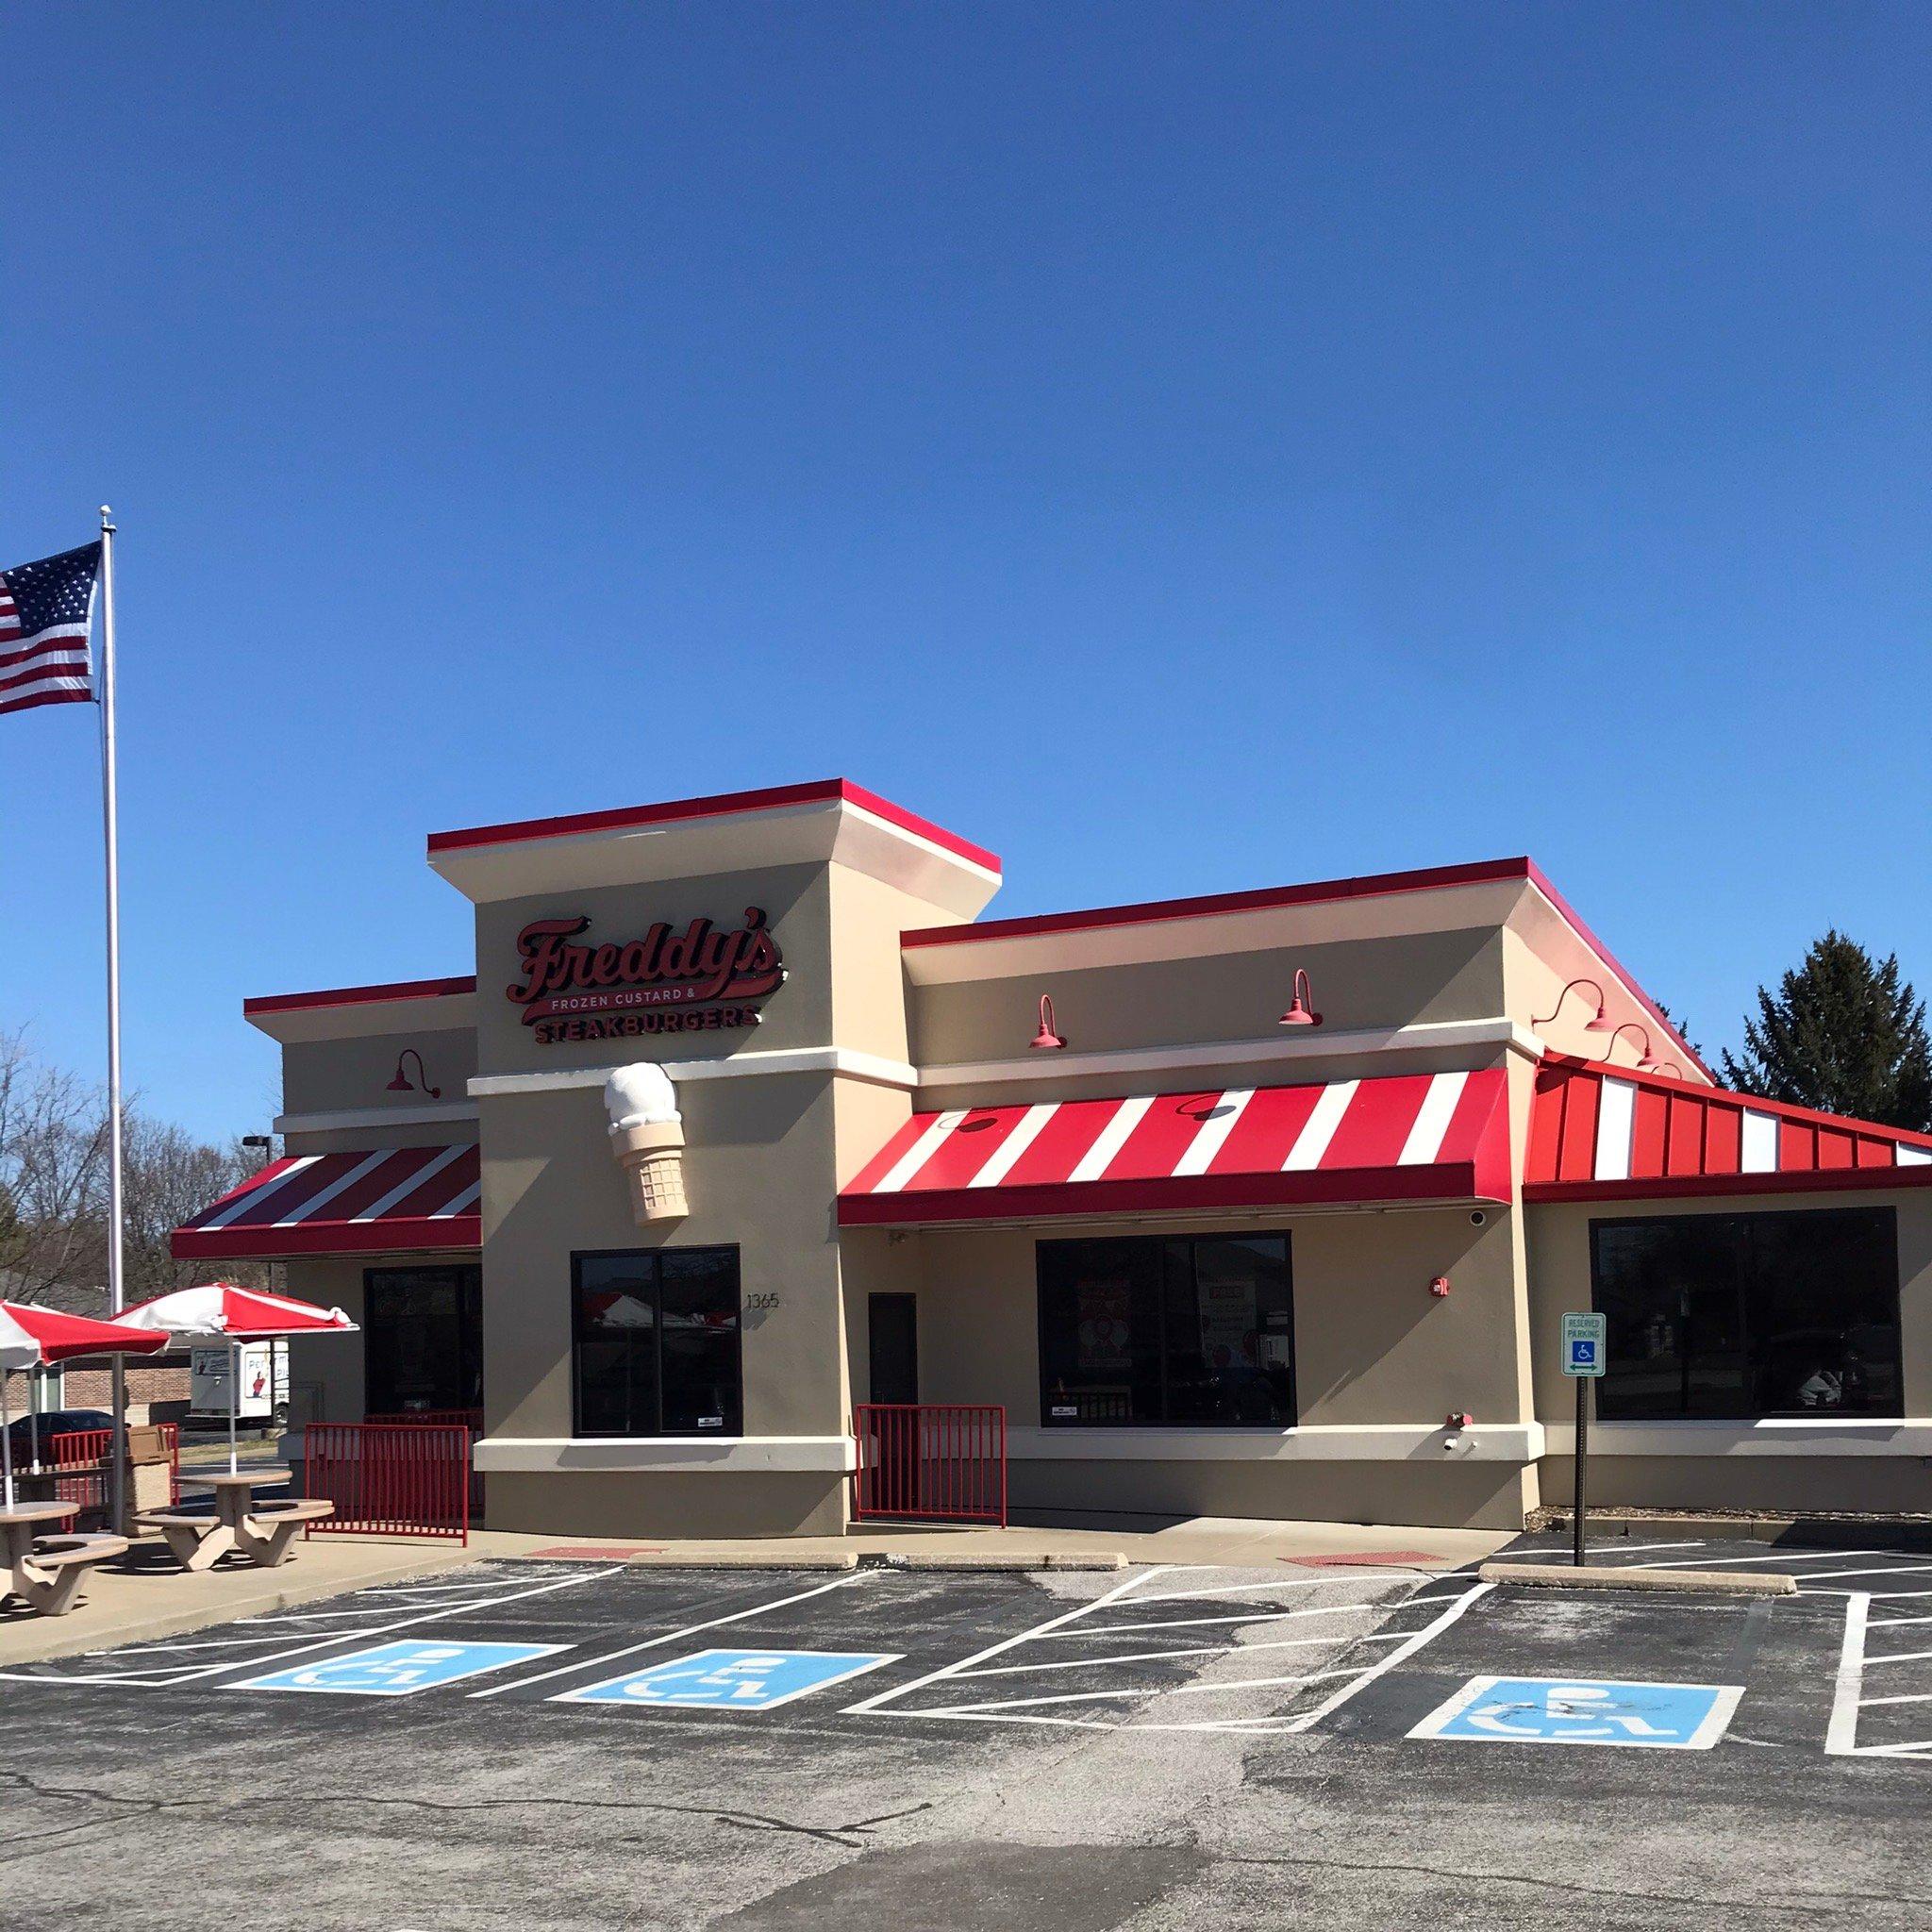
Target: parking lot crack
{"x":1798,"y":1905}
{"x":850,"y":1836}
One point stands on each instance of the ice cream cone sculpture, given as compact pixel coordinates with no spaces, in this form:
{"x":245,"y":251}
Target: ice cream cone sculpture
{"x":648,"y":1137}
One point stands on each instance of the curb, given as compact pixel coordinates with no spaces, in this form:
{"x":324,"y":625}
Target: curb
{"x":1815,"y":1532}
{"x":735,"y":1560}
{"x":33,"y":1644}
{"x":1018,"y":1564}
{"x":1566,"y":1576}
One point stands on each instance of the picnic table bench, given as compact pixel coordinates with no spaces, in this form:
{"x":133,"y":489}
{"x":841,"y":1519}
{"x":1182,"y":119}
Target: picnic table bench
{"x":45,"y":1571}
{"x":261,"y":1531}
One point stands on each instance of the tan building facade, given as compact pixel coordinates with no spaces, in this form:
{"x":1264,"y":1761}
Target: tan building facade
{"x":1263,"y":1205}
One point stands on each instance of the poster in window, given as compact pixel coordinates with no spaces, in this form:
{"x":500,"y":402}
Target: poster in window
{"x":1106,"y":1330}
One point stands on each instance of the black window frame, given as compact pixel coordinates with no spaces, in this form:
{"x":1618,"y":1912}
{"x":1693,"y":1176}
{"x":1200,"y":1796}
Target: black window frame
{"x":655,"y":1256}
{"x":1743,"y":1219}
{"x":1159,"y":1241}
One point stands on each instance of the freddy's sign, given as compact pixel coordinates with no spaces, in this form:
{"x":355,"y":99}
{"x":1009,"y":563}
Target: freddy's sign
{"x":671,"y":980}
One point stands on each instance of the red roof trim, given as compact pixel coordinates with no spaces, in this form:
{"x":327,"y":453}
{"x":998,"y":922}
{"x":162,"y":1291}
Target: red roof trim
{"x":1152,"y":911}
{"x":1784,"y":1109}
{"x":362,"y":995}
{"x":386,"y":1237}
{"x":1671,"y":1188}
{"x":717,"y":805}
{"x":1451,"y":1180}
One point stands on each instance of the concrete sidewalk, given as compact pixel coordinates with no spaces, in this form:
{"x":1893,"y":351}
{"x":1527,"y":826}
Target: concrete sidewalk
{"x":148,"y":1599}
{"x":1219,"y":1540}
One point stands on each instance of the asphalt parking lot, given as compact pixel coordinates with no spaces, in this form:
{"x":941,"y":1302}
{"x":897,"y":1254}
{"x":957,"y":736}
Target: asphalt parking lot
{"x":583,"y":1745}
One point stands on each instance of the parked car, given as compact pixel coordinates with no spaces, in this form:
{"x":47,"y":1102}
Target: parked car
{"x":53,"y":1422}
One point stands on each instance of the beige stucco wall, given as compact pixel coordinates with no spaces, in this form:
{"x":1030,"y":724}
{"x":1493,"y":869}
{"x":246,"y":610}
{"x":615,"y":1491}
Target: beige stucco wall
{"x":1372,"y":1349}
{"x":326,"y":1076}
{"x":759,"y":1171}
{"x":1356,"y":984}
{"x":1773,"y":1466}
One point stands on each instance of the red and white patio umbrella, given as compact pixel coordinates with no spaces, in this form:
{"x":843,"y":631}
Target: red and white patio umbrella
{"x":221,"y":1311}
{"x":33,"y":1337}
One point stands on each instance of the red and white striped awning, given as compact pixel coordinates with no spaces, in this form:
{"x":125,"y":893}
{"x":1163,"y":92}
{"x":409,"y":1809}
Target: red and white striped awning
{"x":1423,"y":1137}
{"x":1600,"y":1132}
{"x":386,"y":1201}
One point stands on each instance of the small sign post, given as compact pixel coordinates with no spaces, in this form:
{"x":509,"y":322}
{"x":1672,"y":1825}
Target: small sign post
{"x":1585,"y":1340}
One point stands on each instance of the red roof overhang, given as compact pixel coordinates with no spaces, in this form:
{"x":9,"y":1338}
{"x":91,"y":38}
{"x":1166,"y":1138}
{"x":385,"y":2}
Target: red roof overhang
{"x":1603,"y":1133}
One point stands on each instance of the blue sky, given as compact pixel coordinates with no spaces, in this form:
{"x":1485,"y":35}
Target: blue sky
{"x":1181,"y":447}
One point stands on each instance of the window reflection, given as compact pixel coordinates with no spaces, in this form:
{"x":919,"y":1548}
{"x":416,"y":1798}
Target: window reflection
{"x":1732,"y":1316}
{"x":1190,"y":1329}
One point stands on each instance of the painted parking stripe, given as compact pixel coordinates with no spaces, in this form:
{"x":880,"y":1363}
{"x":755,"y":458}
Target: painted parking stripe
{"x":156,"y":1677}
{"x":403,"y":1668}
{"x":856,"y":1576}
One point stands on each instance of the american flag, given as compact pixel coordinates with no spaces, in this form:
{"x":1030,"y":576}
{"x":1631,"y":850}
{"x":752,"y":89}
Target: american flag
{"x":44,"y":611}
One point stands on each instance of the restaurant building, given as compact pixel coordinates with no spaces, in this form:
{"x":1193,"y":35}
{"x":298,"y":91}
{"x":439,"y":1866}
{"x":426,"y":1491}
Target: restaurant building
{"x":1266,"y":1204}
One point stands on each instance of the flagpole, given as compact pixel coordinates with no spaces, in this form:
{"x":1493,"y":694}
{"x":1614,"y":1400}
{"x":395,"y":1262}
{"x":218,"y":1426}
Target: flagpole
{"x":117,"y":1504}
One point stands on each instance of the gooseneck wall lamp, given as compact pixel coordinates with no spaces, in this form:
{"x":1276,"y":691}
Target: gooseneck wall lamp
{"x":1301,"y":1008}
{"x":1046,"y":1039}
{"x":1600,"y":1022}
{"x":1643,"y":1058}
{"x":402,"y":1084}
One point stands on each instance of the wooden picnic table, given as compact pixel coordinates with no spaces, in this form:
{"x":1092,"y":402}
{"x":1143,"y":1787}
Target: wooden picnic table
{"x":263,"y":1532}
{"x":44,"y":1570}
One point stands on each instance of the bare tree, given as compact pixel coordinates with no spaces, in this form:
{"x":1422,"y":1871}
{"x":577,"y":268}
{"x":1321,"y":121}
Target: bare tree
{"x":167,"y":1176}
{"x":54,"y":1188}
{"x":53,"y":1175}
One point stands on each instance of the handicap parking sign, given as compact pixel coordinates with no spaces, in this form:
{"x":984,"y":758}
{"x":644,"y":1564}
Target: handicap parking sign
{"x":399,"y":1669}
{"x":1573,"y":1710}
{"x":730,"y":1679}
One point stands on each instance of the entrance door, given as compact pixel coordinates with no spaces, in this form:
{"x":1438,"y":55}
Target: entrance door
{"x":892,"y":1322}
{"x":422,"y":1340}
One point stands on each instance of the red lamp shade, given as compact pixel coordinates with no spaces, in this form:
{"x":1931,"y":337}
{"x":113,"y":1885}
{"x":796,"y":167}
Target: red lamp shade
{"x":1046,"y":1039}
{"x":402,"y":1084}
{"x":1300,"y":1011}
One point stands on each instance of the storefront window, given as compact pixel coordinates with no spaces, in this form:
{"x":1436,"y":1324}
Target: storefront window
{"x":1733,"y":1316}
{"x":1193,"y":1329}
{"x":656,"y":1343}
{"x":422,"y":1340}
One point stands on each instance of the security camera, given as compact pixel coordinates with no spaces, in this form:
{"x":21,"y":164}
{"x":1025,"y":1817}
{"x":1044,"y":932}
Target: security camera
{"x":1477,"y":1218}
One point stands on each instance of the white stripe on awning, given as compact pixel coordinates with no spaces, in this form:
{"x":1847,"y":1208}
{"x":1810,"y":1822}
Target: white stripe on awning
{"x":1005,"y":1157}
{"x":322,"y":1196}
{"x":427,"y":1171}
{"x":1615,"y":1117}
{"x":1757,"y":1143}
{"x":921,"y":1150}
{"x":1432,"y":1121}
{"x":1113,"y":1137}
{"x":1221,"y":1122}
{"x":252,"y":1197}
{"x":1319,"y":1128}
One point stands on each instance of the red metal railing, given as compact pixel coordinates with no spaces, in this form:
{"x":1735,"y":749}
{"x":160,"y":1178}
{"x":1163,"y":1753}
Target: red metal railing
{"x":471,"y":1419}
{"x":390,"y":1478}
{"x":933,"y":1462}
{"x":86,"y":1453}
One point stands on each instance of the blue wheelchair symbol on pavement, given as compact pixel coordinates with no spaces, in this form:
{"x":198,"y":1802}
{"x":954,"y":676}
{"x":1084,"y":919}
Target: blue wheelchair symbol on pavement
{"x":399,"y":1669}
{"x":730,"y":1679}
{"x":1567,"y":1710}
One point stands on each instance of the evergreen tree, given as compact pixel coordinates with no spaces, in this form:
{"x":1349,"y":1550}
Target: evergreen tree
{"x":1841,"y":1033}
